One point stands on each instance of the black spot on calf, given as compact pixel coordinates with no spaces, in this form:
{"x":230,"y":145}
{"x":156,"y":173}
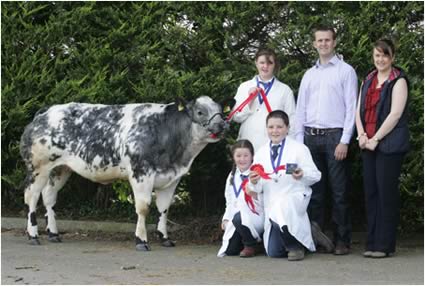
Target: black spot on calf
{"x":54,"y":157}
{"x":33,"y":219}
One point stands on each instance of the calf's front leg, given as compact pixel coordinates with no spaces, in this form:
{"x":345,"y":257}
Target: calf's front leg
{"x":142,"y":190}
{"x":163,"y":201}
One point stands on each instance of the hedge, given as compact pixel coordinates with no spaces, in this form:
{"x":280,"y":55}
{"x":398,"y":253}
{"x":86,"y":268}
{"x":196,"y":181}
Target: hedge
{"x":126,"y":52}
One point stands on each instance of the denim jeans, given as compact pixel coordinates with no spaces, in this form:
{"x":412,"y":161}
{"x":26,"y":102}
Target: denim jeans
{"x":281,"y":241}
{"x":334,"y":177}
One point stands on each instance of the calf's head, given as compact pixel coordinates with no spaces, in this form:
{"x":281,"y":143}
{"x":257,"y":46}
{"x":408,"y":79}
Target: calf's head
{"x":208,"y":116}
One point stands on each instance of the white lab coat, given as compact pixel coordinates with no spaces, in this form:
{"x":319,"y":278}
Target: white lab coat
{"x":253,"y":120}
{"x":286,"y":199}
{"x":234,"y":204}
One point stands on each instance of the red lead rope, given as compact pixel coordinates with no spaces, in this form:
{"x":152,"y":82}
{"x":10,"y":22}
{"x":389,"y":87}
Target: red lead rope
{"x":248,"y":199}
{"x":251,"y":96}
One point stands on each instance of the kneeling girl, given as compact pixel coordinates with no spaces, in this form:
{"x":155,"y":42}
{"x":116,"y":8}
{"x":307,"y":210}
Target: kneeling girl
{"x":243,"y":220}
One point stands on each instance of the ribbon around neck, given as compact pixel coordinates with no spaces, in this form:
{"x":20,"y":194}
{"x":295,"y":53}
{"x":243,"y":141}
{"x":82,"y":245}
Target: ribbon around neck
{"x":267,"y":86}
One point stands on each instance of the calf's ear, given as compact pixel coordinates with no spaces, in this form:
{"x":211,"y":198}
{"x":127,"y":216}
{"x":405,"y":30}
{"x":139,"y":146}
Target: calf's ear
{"x":181,"y":103}
{"x":227,"y":104}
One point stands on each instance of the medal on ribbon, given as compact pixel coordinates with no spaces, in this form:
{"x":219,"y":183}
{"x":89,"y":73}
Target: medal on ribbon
{"x":238,"y":191}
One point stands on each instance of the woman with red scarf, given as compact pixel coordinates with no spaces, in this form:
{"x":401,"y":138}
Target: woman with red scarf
{"x":381,"y":122}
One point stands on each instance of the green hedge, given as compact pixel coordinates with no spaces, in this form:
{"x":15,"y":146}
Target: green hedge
{"x":124,"y":52}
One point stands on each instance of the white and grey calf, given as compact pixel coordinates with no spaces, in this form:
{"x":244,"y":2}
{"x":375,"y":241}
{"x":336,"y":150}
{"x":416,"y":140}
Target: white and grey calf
{"x":150,"y":145}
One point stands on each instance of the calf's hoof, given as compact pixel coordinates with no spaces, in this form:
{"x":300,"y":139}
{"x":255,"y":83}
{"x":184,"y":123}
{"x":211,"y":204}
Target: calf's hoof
{"x":142,"y":245}
{"x":54,"y":237}
{"x":165,"y":241}
{"x":168,"y":243}
{"x":33,"y":240}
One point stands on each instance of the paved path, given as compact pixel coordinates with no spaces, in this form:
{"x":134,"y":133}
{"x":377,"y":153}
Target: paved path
{"x":96,"y":259}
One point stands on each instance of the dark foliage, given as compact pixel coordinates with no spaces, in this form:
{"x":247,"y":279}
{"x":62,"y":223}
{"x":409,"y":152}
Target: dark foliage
{"x":124,"y":52}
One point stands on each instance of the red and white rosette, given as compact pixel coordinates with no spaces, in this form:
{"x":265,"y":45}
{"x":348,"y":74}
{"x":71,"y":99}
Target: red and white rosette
{"x":260,"y":171}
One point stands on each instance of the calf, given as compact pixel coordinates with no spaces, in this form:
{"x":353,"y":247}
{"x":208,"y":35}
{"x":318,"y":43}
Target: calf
{"x":150,"y":145}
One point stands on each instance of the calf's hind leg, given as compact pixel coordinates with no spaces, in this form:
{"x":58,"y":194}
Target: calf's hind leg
{"x":37,"y":181}
{"x":57,"y":179}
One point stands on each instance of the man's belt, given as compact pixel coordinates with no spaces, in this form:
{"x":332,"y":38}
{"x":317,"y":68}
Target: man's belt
{"x":320,"y":131}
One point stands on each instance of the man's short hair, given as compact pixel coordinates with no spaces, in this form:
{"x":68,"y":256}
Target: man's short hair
{"x":324,"y":28}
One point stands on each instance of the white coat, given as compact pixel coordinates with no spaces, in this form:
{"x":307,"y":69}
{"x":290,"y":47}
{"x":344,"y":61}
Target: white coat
{"x":234,"y":204}
{"x":286,"y":199}
{"x":253,"y":119}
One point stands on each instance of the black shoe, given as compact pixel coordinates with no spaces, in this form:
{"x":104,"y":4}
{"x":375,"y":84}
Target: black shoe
{"x":259,"y":248}
{"x":341,"y":249}
{"x":323,"y":250}
{"x":320,"y":239}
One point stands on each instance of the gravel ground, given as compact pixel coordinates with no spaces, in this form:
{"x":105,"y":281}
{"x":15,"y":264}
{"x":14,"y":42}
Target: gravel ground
{"x":95,"y":257}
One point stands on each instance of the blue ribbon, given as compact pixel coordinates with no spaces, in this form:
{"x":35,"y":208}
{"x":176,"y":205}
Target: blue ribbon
{"x":282,"y":145}
{"x":237,"y":192}
{"x":267,"y":87}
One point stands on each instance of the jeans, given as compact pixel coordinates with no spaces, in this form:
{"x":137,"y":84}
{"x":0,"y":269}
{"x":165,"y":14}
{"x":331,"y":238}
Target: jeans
{"x":322,"y":148}
{"x":281,"y":241}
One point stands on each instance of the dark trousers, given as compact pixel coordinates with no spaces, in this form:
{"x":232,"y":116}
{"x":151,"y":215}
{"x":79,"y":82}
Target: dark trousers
{"x":242,"y":237}
{"x":381,"y":174}
{"x":334,"y":174}
{"x":281,"y":241}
